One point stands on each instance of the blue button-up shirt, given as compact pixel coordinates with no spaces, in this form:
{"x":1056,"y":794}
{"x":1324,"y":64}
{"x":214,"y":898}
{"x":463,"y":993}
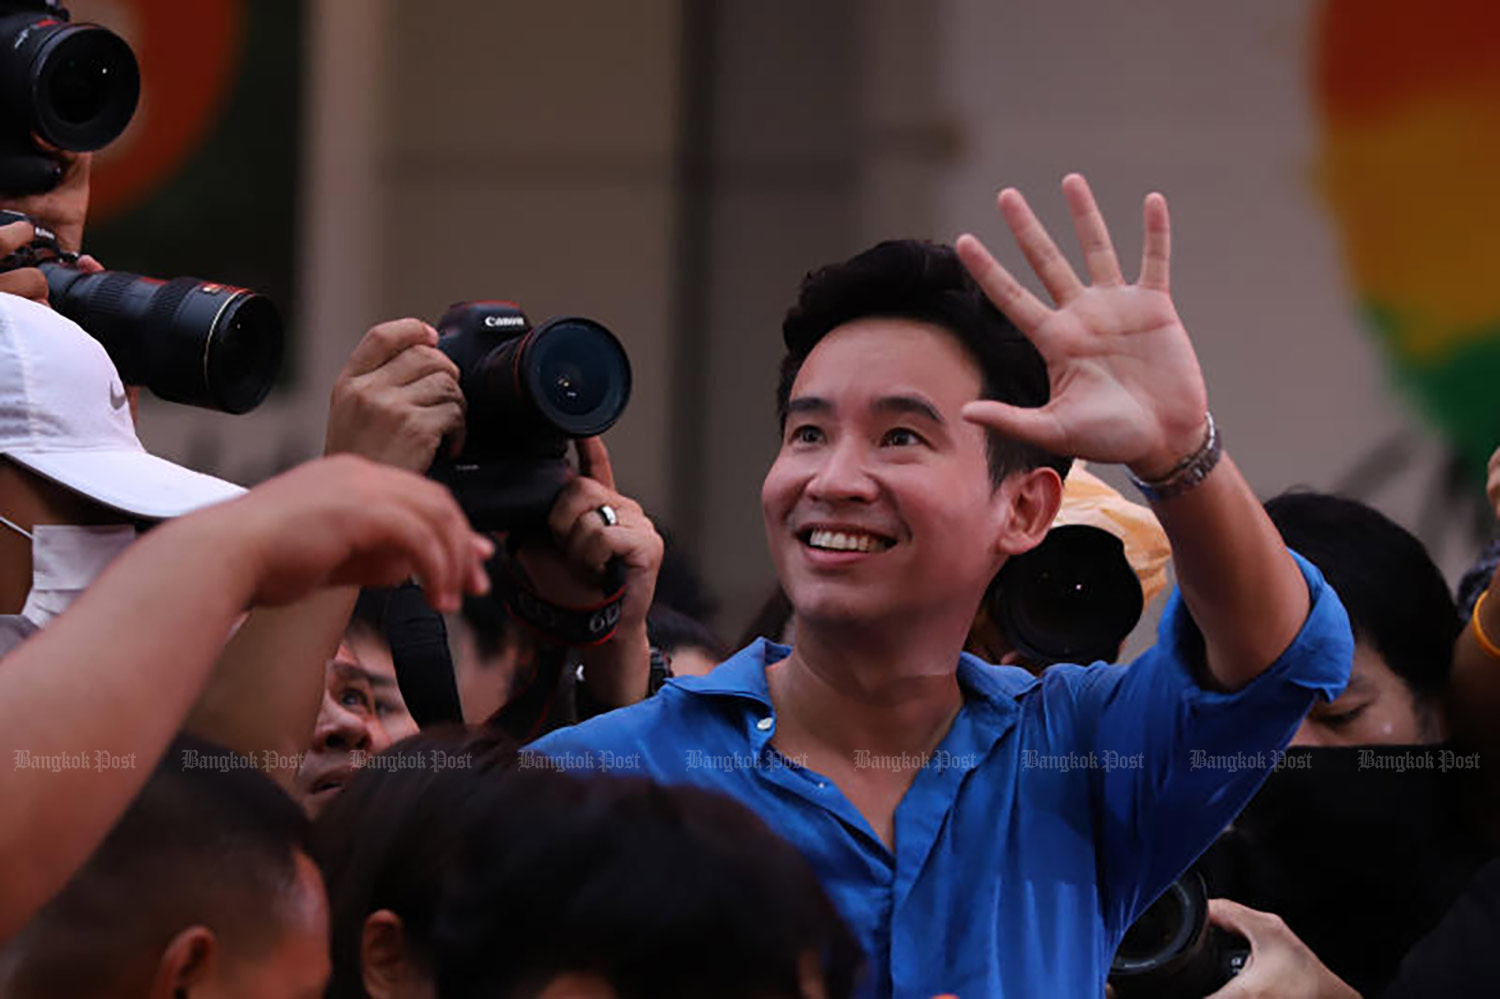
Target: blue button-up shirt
{"x":1053,"y":812}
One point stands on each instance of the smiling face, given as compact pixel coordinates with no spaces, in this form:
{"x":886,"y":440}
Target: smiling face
{"x":880,"y":501}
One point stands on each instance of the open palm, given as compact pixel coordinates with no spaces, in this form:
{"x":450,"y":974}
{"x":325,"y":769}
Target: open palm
{"x":1126,"y":386}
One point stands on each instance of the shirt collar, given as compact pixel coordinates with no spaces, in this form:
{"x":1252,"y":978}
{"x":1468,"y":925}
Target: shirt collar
{"x":744,"y":675}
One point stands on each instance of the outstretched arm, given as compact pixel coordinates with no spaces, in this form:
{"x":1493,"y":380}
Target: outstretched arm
{"x":1126,"y":388}
{"x":395,"y":401}
{"x":88,"y":704}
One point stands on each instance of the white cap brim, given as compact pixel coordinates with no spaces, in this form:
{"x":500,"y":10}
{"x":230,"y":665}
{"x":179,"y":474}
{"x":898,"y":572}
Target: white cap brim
{"x":133,"y":482}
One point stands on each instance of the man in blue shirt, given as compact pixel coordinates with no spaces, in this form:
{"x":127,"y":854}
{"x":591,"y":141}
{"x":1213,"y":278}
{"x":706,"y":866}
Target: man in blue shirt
{"x":985,"y":832}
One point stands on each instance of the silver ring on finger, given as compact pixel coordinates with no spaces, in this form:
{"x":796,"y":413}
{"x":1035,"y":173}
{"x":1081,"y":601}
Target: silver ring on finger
{"x":607,"y":514}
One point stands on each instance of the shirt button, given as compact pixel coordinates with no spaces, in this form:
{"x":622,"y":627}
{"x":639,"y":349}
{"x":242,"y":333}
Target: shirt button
{"x":765,"y":724}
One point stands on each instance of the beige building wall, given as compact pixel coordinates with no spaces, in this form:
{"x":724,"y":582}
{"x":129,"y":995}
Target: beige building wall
{"x":673,"y":168}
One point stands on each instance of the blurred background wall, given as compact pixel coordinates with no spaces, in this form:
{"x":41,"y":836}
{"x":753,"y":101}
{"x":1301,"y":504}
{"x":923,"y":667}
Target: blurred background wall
{"x":673,"y":167}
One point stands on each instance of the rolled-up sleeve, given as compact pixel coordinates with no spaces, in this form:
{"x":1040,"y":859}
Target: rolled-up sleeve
{"x":1177,"y":760}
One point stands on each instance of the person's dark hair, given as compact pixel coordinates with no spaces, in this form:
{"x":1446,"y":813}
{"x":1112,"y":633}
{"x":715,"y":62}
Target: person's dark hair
{"x":390,"y":837}
{"x":487,"y":616}
{"x":1397,"y":600}
{"x":679,"y":584}
{"x":913,"y":279}
{"x":664,"y":892}
{"x":669,"y":629}
{"x":369,"y":610}
{"x":209,"y":841}
{"x":770,"y":621}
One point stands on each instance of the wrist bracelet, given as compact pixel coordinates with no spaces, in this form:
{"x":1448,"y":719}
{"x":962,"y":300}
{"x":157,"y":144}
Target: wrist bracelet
{"x":1189,"y":471}
{"x":1484,"y":641}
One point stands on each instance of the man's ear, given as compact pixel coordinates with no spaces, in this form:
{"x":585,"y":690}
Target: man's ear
{"x":382,"y":954}
{"x":1026,"y":504}
{"x":187,"y":965}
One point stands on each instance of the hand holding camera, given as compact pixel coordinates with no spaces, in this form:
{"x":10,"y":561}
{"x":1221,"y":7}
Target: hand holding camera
{"x":397,"y":398}
{"x":1280,"y":964}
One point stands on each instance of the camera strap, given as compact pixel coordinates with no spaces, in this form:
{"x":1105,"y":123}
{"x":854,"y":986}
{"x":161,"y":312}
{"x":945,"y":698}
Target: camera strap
{"x":593,"y":624}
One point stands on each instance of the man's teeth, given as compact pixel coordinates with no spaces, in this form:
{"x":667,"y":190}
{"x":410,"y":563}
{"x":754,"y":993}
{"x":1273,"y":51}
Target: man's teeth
{"x":840,"y":542}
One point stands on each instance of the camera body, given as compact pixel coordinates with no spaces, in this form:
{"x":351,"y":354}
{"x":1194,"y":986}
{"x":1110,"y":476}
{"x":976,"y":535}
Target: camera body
{"x":529,"y":391}
{"x":189,"y":341}
{"x":73,"y":86}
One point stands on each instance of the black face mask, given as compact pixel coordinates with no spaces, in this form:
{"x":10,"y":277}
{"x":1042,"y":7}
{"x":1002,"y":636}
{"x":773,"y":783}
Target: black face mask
{"x":1360,"y":849}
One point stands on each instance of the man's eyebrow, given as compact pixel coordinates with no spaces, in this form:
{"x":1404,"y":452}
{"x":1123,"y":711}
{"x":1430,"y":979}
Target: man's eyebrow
{"x":354,"y":671}
{"x":809,"y":404}
{"x":914,"y":405}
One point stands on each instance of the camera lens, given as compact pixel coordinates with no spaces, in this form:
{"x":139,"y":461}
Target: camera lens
{"x":188,"y":341}
{"x":85,"y":85}
{"x":577,"y":375}
{"x":242,"y":353}
{"x":1073,"y":598}
{"x":1158,"y":934}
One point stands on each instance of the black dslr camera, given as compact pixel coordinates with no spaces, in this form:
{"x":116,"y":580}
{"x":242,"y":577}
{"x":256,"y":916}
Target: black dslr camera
{"x":73,"y":86}
{"x":189,"y":341}
{"x":1071,"y":599}
{"x":529,"y":391}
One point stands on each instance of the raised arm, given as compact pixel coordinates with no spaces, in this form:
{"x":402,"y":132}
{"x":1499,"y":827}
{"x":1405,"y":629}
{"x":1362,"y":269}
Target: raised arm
{"x":1126,"y":388}
{"x":395,"y":401}
{"x":88,"y":705}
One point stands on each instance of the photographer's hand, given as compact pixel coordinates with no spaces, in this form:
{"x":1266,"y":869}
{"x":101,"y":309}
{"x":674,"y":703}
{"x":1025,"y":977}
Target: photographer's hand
{"x":618,"y":671}
{"x":64,"y":209}
{"x":397,"y":398}
{"x":27,"y":282}
{"x":1280,"y":965}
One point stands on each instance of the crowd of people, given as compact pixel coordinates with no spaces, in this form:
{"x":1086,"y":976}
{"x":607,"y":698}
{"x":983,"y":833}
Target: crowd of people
{"x":299,"y":741}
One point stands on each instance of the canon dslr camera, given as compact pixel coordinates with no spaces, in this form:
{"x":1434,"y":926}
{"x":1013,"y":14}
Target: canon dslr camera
{"x":529,"y":391}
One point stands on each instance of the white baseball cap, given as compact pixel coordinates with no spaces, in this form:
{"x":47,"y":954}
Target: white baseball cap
{"x":65,"y":416}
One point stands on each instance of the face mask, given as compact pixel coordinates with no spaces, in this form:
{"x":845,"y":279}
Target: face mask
{"x":65,"y":560}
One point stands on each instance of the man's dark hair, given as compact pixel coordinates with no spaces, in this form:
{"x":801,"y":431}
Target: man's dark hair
{"x":209,"y":841}
{"x":926,"y":282}
{"x":369,"y":611}
{"x":668,"y":629}
{"x":664,"y":892}
{"x":1397,"y":600}
{"x":391,"y":836}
